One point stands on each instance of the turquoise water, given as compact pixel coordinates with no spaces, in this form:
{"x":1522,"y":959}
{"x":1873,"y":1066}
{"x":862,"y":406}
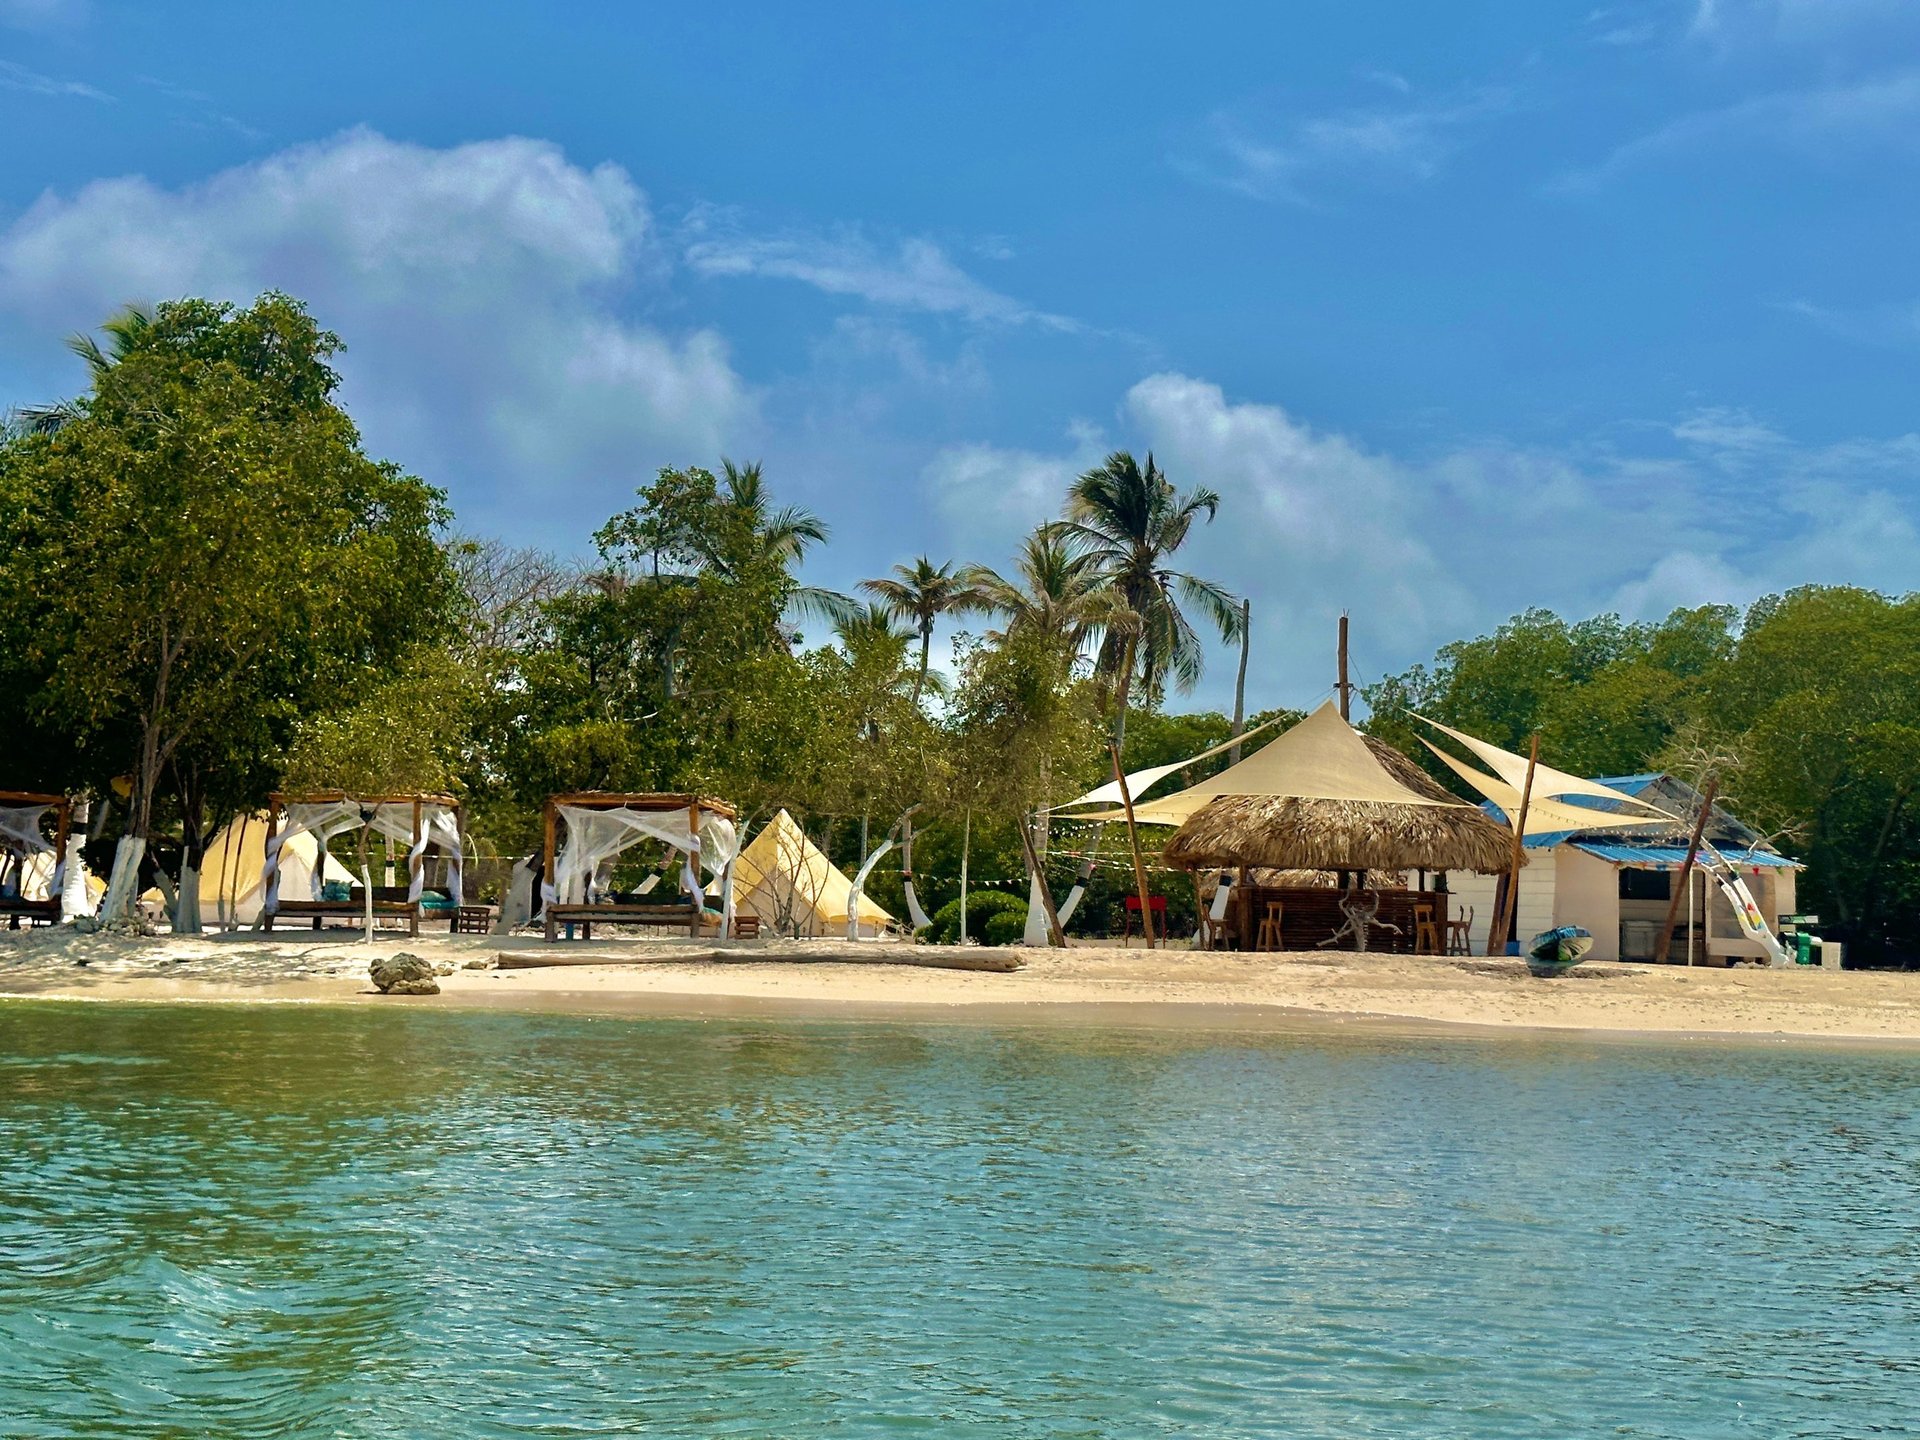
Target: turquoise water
{"x":350,"y":1223}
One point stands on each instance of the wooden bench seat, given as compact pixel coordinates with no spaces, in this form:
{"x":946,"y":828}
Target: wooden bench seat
{"x":584,"y":916}
{"x":34,"y":912}
{"x":321,"y":911}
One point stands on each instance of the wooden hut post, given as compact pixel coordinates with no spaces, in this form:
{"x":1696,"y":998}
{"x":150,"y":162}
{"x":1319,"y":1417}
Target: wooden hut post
{"x":1663,"y":942}
{"x":63,"y":820}
{"x":693,"y":859}
{"x":548,"y":822}
{"x":1133,"y":838}
{"x":270,"y":881}
{"x":1509,"y":912}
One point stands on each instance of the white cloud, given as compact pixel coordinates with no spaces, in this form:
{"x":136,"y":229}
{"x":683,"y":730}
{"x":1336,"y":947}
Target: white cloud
{"x":1292,"y":160}
{"x":1813,"y":122}
{"x":988,"y":497}
{"x":1428,"y":549}
{"x":480,"y":288}
{"x":42,"y":14}
{"x":14,"y":76}
{"x":913,"y":274}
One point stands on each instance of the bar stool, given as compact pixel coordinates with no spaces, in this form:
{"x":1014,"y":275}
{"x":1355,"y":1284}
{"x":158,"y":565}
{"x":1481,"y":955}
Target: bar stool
{"x":1460,"y":934}
{"x":1426,"y":934}
{"x":1268,"y":937}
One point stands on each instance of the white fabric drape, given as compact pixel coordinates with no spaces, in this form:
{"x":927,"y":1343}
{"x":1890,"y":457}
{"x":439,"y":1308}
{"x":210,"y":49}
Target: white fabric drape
{"x":20,"y":840}
{"x":324,"y":819}
{"x":594,"y":836}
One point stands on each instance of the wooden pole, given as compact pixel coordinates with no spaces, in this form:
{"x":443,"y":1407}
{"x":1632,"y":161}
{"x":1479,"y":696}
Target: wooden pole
{"x":548,"y":823}
{"x":1345,"y":689}
{"x":1133,"y":838}
{"x":1663,"y":942}
{"x":966,"y":844}
{"x":1240,"y":681}
{"x":1056,"y":934}
{"x":695,"y":897}
{"x":1510,"y":910}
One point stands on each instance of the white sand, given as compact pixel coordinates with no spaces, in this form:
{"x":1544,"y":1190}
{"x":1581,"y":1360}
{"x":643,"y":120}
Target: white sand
{"x":1084,"y":984}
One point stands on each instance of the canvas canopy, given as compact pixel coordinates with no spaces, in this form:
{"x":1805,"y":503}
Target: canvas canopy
{"x":233,"y":871}
{"x":1551,"y":802}
{"x":1141,"y":781}
{"x":785,"y":879}
{"x":22,"y":842}
{"x":594,"y":835}
{"x":324,"y":817}
{"x":1321,"y":758}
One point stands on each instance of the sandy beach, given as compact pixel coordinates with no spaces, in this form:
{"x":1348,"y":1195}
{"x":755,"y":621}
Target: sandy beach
{"x":1093,"y":985}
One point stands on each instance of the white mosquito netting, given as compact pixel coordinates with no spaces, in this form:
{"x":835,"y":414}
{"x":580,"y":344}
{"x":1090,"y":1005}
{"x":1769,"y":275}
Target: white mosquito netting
{"x":324,"y":819}
{"x":594,"y":836}
{"x":21,"y":840}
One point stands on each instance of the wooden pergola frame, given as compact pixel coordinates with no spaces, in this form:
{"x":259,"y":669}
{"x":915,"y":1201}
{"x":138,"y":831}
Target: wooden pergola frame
{"x":322,"y":910}
{"x":44,"y":911}
{"x":556,"y":915}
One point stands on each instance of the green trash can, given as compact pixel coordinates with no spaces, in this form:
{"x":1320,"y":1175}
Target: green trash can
{"x":1803,"y":948}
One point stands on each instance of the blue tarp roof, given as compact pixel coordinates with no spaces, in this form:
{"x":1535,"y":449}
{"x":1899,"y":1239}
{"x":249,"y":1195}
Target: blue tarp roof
{"x":1674,"y":856}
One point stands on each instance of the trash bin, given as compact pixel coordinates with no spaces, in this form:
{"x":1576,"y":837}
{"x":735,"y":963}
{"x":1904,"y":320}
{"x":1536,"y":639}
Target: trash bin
{"x":1803,"y":948}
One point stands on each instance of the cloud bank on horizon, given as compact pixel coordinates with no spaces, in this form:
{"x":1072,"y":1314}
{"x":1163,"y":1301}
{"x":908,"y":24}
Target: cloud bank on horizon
{"x":537,"y":334}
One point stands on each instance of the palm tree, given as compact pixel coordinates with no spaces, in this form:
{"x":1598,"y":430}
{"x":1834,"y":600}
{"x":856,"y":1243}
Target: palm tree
{"x":124,"y":332}
{"x":1130,"y":521}
{"x":921,"y":593}
{"x":1058,"y":594}
{"x":870,"y":625}
{"x":787,"y":534}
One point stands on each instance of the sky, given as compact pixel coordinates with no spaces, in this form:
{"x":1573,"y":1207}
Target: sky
{"x":1461,"y":309}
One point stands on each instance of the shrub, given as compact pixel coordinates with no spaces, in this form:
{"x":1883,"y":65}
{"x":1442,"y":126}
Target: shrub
{"x":982,"y":906}
{"x":1009,"y":927}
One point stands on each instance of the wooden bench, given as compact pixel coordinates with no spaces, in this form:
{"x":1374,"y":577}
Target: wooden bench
{"x":687,"y":916}
{"x":320,"y":911}
{"x":34,"y":912}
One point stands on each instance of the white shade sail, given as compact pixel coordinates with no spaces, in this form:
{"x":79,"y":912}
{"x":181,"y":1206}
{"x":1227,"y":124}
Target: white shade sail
{"x":1143,"y":780}
{"x":1545,"y":816}
{"x":1548,"y":783}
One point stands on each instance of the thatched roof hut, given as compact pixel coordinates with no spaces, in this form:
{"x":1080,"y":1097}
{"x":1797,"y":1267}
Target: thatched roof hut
{"x":1287,"y":832}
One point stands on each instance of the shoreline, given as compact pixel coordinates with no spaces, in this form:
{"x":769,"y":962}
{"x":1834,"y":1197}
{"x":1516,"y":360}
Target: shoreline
{"x":1088,"y":986}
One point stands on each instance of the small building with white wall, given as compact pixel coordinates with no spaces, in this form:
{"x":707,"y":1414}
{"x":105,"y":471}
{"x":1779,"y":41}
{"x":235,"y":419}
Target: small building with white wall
{"x":1618,"y":884}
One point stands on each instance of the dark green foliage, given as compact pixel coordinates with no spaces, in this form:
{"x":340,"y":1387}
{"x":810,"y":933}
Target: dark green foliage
{"x":982,"y":906}
{"x":1008,"y":927}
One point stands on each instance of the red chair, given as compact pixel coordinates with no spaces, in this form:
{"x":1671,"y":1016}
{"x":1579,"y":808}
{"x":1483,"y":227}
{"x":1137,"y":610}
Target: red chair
{"x":1157,"y":905}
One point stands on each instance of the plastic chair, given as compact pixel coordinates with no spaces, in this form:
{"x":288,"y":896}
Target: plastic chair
{"x":1158,"y":904}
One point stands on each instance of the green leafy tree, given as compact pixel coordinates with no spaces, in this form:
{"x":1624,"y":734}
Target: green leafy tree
{"x":209,"y":555}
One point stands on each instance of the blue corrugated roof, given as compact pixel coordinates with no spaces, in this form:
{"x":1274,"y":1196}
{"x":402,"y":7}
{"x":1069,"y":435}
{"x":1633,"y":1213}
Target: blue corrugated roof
{"x":1674,"y":856}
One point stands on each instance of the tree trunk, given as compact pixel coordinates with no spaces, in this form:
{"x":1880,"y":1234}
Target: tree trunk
{"x":1122,"y":686}
{"x":926,"y":655}
{"x":193,"y":854}
{"x":75,"y":900}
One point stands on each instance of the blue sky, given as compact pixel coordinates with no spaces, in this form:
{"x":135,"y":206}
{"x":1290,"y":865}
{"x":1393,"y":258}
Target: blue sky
{"x":1462,"y":308}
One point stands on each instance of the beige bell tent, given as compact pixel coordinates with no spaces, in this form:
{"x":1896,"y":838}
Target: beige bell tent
{"x":783,"y":878}
{"x":231,"y":891}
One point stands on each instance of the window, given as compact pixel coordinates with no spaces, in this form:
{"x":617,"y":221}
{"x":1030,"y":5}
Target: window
{"x":1645,"y":884}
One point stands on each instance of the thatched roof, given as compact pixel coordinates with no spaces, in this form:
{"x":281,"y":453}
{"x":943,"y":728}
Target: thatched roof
{"x":1287,"y":833}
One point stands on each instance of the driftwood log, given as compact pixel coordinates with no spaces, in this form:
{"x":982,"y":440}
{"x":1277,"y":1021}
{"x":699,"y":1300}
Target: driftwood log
{"x":999,"y":960}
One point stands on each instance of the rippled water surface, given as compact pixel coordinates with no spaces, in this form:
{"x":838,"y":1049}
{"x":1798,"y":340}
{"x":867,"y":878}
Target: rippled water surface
{"x":351,"y":1223}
